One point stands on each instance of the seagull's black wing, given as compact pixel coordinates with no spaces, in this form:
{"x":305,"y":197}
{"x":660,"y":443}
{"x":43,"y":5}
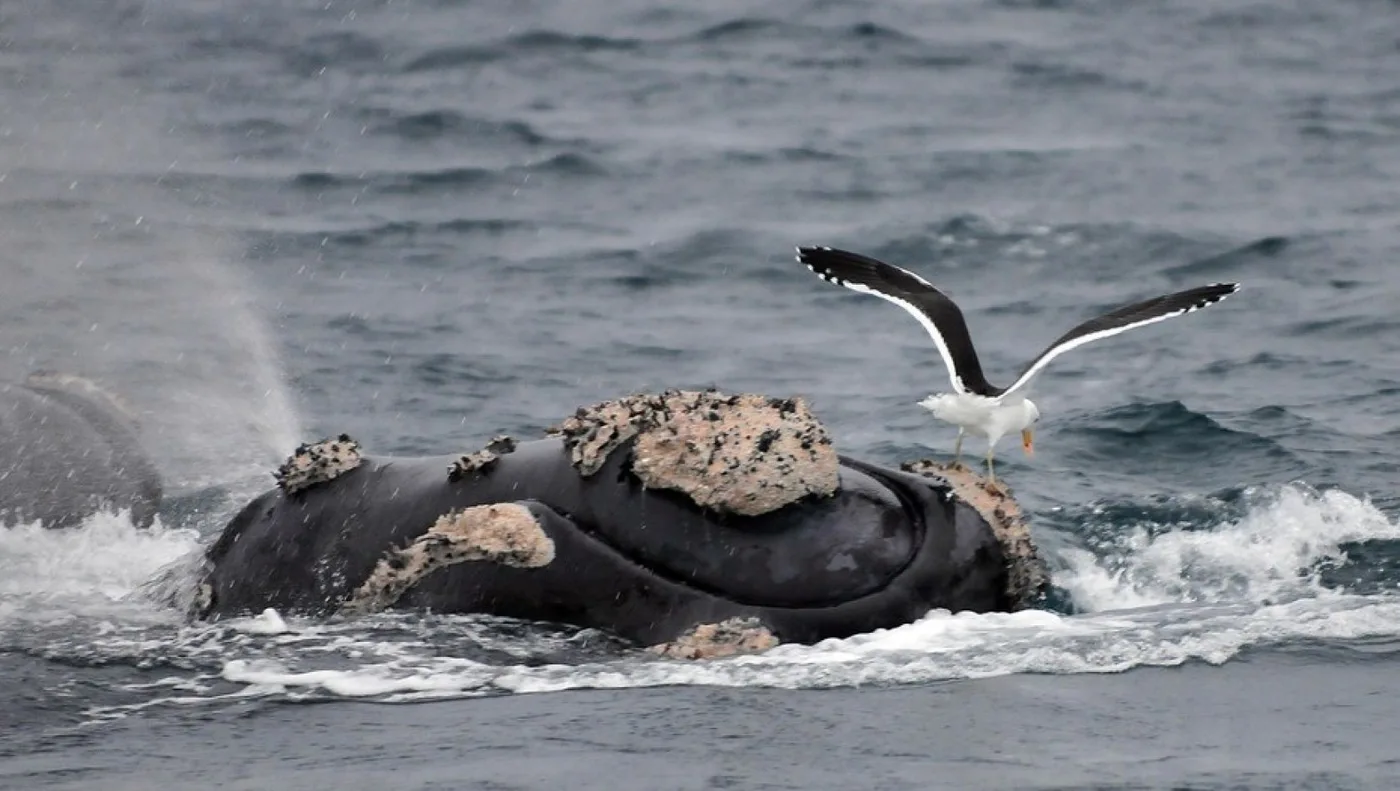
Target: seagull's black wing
{"x":934,"y":310}
{"x":1138,"y":314}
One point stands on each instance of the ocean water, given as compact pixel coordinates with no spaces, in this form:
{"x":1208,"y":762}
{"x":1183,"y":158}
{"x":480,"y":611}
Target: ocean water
{"x":427,"y":223}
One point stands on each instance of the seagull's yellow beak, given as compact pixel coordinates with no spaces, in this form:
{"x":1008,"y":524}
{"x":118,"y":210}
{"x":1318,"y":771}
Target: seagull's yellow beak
{"x":1028,"y":441}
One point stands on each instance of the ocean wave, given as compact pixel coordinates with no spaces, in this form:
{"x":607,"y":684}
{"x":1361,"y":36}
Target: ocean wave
{"x":1174,"y":257}
{"x":1261,"y":248}
{"x":43,"y":205}
{"x":49,"y":578}
{"x":515,"y":46}
{"x":873,"y":30}
{"x":851,"y":44}
{"x":1139,"y":421}
{"x":397,"y":181}
{"x":1344,"y":327}
{"x":256,"y":128}
{"x":341,"y":50}
{"x":402,"y":230}
{"x":1040,"y":5}
{"x":1258,"y":546}
{"x":675,"y":260}
{"x":383,"y":329}
{"x":1047,"y":75}
{"x":742,"y":28}
{"x":968,"y":239}
{"x":1165,"y":430}
{"x":569,"y":165}
{"x":450,"y":124}
{"x":447,"y":58}
{"x":1247,"y":17}
{"x":442,"y":370}
{"x":440,"y":238}
{"x":1268,"y":361}
{"x":866,"y":34}
{"x":786,"y":154}
{"x":1363,"y":117}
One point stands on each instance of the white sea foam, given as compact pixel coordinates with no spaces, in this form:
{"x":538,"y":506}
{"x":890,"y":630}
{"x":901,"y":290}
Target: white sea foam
{"x":1160,"y":598}
{"x":1153,"y":595}
{"x":84,"y":573}
{"x":940,"y":646}
{"x":1274,"y":552}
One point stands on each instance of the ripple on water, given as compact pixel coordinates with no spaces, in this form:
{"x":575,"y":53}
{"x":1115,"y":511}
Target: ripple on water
{"x":447,"y":125}
{"x":1162,"y":427}
{"x":342,"y":50}
{"x":1260,"y":249}
{"x":449,"y":179}
{"x":1176,"y":445}
{"x":533,"y":43}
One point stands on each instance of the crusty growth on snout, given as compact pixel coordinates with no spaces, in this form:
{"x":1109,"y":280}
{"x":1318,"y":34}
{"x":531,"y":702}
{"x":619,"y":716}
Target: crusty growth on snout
{"x":742,"y":454}
{"x":1027,"y":576}
{"x":713,"y":640}
{"x":318,"y":462}
{"x":505,"y":533}
{"x":482,"y":459}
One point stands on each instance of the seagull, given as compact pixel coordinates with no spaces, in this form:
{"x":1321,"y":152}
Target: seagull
{"x":976,"y":406}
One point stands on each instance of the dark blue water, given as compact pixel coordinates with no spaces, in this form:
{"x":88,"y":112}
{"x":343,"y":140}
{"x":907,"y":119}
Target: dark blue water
{"x":427,"y":223}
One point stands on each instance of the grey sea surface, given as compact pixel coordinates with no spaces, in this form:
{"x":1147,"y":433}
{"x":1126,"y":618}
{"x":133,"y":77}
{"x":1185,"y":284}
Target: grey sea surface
{"x":428,"y":223}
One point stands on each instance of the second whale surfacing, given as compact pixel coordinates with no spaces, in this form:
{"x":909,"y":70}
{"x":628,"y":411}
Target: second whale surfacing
{"x":692,"y":521}
{"x":71,"y":449}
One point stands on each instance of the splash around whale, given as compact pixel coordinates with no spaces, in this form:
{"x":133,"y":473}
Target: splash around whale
{"x":695,"y":522}
{"x":71,"y":450}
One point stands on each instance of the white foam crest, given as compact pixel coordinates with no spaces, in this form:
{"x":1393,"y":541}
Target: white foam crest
{"x":941,"y":646}
{"x":1275,"y":551}
{"x":944,"y":646}
{"x":51,"y":576}
{"x":1195,"y":592}
{"x":98,"y":714}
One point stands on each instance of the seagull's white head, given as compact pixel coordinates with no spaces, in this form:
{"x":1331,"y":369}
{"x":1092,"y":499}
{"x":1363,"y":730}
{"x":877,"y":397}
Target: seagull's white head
{"x":1032,"y":414}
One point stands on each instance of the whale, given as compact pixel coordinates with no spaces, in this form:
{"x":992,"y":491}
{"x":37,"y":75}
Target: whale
{"x":680,"y":521}
{"x":71,"y":449}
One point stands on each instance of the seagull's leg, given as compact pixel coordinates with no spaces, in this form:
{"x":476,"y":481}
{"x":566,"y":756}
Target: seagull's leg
{"x":991,"y":472}
{"x":957,"y":449}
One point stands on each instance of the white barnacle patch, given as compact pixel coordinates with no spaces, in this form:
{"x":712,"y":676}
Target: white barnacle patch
{"x":713,"y":640}
{"x":743,"y":454}
{"x":482,"y":459}
{"x":318,"y":462}
{"x":594,"y":432}
{"x":505,"y":533}
{"x":1027,"y":575}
